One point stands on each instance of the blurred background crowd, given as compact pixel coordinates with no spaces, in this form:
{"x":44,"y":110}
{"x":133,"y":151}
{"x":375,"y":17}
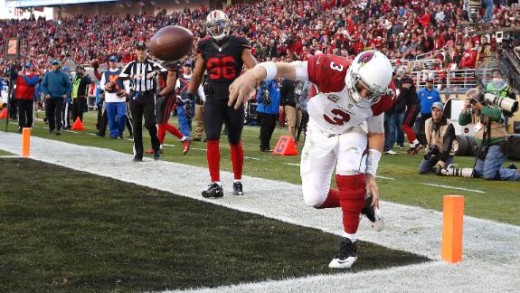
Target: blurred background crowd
{"x":402,"y":29}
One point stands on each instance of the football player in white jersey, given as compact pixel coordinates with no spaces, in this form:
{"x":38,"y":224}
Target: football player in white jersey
{"x":345,"y":132}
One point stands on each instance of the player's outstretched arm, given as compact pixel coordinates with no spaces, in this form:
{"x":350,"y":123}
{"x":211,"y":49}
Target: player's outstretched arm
{"x":241,"y":90}
{"x":196,"y":77}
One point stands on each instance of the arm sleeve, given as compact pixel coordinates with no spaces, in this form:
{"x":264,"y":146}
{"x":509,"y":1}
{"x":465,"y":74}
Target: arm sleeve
{"x":97,"y":74}
{"x":125,"y":72}
{"x":30,"y":80}
{"x":126,"y":85}
{"x":44,"y":88}
{"x":464,"y":118}
{"x":68,"y":84}
{"x":200,"y":91}
{"x":494,"y":114}
{"x":102,"y":81}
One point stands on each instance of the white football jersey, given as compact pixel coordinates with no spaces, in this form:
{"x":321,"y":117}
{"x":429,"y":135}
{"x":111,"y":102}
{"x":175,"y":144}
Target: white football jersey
{"x":333,"y":110}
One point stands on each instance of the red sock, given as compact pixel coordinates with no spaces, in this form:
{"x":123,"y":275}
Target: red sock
{"x":161,"y":133}
{"x":351,"y":199}
{"x":213,"y":157}
{"x":173,"y":130}
{"x":237,"y":159}
{"x":332,"y":200}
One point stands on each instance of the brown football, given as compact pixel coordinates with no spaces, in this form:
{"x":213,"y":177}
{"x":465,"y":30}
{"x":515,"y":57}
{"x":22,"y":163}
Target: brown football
{"x":171,"y":43}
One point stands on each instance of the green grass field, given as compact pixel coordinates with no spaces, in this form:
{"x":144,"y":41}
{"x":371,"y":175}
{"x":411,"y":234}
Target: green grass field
{"x":69,"y":231}
{"x":494,"y":200}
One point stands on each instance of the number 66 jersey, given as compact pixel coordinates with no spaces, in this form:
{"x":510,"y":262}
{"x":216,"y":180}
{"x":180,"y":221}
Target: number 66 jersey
{"x":332,"y":108}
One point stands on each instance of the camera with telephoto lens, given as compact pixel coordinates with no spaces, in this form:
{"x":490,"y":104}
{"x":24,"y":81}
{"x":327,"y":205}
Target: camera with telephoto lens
{"x":459,"y":172}
{"x":505,"y":104}
{"x":432,"y":151}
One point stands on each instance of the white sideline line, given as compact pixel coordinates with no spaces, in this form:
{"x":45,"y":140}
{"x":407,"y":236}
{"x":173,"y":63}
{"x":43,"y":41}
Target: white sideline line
{"x":293,"y":164}
{"x":452,"y":187}
{"x":384,"y":177}
{"x":252,"y":158}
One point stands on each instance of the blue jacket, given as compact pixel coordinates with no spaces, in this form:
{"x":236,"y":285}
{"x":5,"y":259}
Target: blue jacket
{"x":56,"y":84}
{"x":274,"y":90}
{"x":427,"y":98}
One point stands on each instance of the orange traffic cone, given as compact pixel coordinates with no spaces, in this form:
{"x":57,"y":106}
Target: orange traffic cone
{"x":77,"y":125}
{"x":3,"y":114}
{"x":285,"y":146}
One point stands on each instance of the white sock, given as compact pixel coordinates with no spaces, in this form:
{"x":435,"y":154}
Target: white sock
{"x":352,"y":237}
{"x":237,"y":180}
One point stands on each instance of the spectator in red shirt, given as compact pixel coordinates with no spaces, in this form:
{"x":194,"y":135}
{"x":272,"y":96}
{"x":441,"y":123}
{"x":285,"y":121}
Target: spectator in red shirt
{"x":25,"y":88}
{"x":469,"y":57}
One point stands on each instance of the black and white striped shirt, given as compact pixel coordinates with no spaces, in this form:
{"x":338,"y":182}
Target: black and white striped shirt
{"x":142,"y":75}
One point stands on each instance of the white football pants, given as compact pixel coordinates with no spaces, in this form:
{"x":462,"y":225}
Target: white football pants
{"x":323,"y":152}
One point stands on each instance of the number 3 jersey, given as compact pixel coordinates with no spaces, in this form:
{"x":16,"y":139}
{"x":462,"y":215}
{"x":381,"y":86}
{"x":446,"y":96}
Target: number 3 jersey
{"x":332,"y":108}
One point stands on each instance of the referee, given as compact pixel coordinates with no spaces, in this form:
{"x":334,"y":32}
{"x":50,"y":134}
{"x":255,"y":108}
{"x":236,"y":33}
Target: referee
{"x":142,"y":74}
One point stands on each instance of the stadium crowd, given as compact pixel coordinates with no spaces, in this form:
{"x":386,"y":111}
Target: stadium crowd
{"x":402,"y":29}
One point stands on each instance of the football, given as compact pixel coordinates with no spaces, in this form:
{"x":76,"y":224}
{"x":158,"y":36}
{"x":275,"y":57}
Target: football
{"x":171,"y":43}
{"x":94,"y":63}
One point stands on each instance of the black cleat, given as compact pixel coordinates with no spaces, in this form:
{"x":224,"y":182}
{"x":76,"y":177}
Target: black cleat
{"x":373,"y":214}
{"x":137,"y":159}
{"x":156,"y":155}
{"x":237,"y":188}
{"x":214,"y":191}
{"x":346,"y":256}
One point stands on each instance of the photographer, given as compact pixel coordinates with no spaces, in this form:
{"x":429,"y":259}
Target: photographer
{"x":490,"y":134}
{"x":439,"y":137}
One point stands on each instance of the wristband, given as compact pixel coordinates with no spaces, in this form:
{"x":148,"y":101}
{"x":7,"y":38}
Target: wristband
{"x":373,"y":161}
{"x":270,"y":68}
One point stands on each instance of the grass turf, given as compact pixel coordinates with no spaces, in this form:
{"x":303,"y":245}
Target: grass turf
{"x":69,"y":231}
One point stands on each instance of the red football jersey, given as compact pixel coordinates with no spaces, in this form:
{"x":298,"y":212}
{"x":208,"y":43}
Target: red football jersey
{"x":332,"y":108}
